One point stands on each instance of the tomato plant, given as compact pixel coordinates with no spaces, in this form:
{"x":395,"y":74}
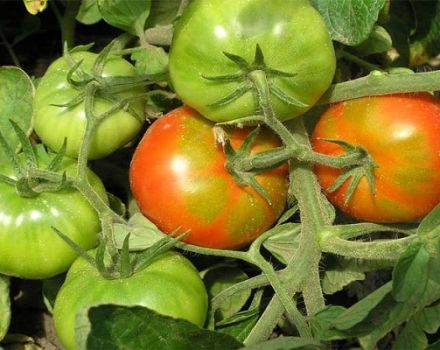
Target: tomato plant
{"x":55,"y":119}
{"x":29,"y":247}
{"x":291,"y":34}
{"x":401,"y":134}
{"x":179,"y":181}
{"x":169,"y":285}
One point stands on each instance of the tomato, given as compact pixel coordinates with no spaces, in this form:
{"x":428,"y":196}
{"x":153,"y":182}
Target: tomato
{"x":29,"y":247}
{"x":179,"y":181}
{"x":291,"y":34}
{"x":401,"y":134}
{"x":53,"y":123}
{"x":170,"y":285}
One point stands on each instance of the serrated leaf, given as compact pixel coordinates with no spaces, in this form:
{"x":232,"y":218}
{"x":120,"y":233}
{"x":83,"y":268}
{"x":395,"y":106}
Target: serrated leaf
{"x":410,"y":275}
{"x":284,"y":241}
{"x":118,"y":327}
{"x":349,"y":21}
{"x":88,"y":12}
{"x":128,"y":15}
{"x":16,"y":98}
{"x":335,"y":280}
{"x":150,"y":60}
{"x":221,"y":278}
{"x":5,"y":306}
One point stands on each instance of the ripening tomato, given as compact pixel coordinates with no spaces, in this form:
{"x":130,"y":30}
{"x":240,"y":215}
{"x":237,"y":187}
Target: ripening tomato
{"x":401,"y":132}
{"x":291,"y":34}
{"x":179,"y":181}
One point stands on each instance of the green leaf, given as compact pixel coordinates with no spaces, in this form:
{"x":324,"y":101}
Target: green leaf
{"x":413,"y":335}
{"x":426,"y":39}
{"x":379,"y":41}
{"x":5,"y":306}
{"x":143,"y":233}
{"x":89,"y":12}
{"x":163,"y":12}
{"x":117,"y":327}
{"x":128,"y":15}
{"x":241,"y":324}
{"x":220,"y":278}
{"x":284,"y":241}
{"x":359,"y":311}
{"x":430,"y":223}
{"x":349,"y":21}
{"x":336,"y":279}
{"x":287,"y":343}
{"x":321,"y":323}
{"x":410,"y":275}
{"x":16,"y":98}
{"x":150,"y":60}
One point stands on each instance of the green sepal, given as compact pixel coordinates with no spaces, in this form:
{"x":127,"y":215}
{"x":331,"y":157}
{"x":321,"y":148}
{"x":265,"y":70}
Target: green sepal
{"x":126,"y":267}
{"x":237,"y":93}
{"x":24,"y":189}
{"x":277,"y":92}
{"x":238,"y":60}
{"x":7,"y":149}
{"x":56,"y":161}
{"x":85,"y":78}
{"x":28,"y":149}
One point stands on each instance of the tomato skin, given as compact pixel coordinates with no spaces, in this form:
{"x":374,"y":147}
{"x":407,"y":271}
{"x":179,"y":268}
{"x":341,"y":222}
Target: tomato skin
{"x":179,"y":181}
{"x":401,"y":134}
{"x":170,"y":285}
{"x":29,"y":247}
{"x":53,"y":123}
{"x":291,"y":34}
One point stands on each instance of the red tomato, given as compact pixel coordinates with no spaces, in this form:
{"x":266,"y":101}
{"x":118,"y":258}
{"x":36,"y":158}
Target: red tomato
{"x":401,"y":132}
{"x":179,"y":181}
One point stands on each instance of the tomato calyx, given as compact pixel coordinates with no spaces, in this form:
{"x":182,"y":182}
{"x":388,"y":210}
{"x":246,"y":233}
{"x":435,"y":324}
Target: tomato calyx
{"x":244,"y":77}
{"x":26,"y":183}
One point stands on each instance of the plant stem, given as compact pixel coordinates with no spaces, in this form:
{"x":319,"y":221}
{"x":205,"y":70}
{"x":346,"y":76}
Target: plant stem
{"x":67,"y":21}
{"x":10,"y":49}
{"x":378,"y":83}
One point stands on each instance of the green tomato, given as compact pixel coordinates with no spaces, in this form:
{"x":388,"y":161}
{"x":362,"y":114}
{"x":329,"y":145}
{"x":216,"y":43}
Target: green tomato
{"x":170,"y":285}
{"x":53,"y":123}
{"x":29,"y":247}
{"x":291,"y":34}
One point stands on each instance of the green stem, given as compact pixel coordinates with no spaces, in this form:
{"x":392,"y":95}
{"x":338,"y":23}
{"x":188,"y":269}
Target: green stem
{"x":67,"y":21}
{"x":10,"y":49}
{"x":378,"y":83}
{"x":376,"y":250}
{"x":359,"y":61}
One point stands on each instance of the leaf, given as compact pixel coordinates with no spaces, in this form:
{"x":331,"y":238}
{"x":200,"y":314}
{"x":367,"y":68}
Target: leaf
{"x":150,"y":60}
{"x":410,"y":275}
{"x":426,"y":39}
{"x":349,"y":21}
{"x":163,"y":12}
{"x":220,"y":278}
{"x":430,"y":223}
{"x":5,"y":306}
{"x":241,"y":324}
{"x":118,"y":327}
{"x":16,"y":98}
{"x":287,"y":343}
{"x":379,"y":41}
{"x":284,"y":242}
{"x":89,"y":12}
{"x":321,"y":323}
{"x":143,"y":233}
{"x":335,"y":280}
{"x":128,"y":15}
{"x":413,"y":335}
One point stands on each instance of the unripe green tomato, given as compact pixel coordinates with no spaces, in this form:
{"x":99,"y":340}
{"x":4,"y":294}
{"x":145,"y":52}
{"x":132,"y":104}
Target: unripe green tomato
{"x":170,"y":285}
{"x":291,"y":34}
{"x":54,"y":123}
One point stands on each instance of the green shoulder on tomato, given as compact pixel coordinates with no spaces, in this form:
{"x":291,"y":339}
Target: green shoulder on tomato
{"x":291,"y":34}
{"x":53,"y":122}
{"x":170,"y":285}
{"x":29,"y":247}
